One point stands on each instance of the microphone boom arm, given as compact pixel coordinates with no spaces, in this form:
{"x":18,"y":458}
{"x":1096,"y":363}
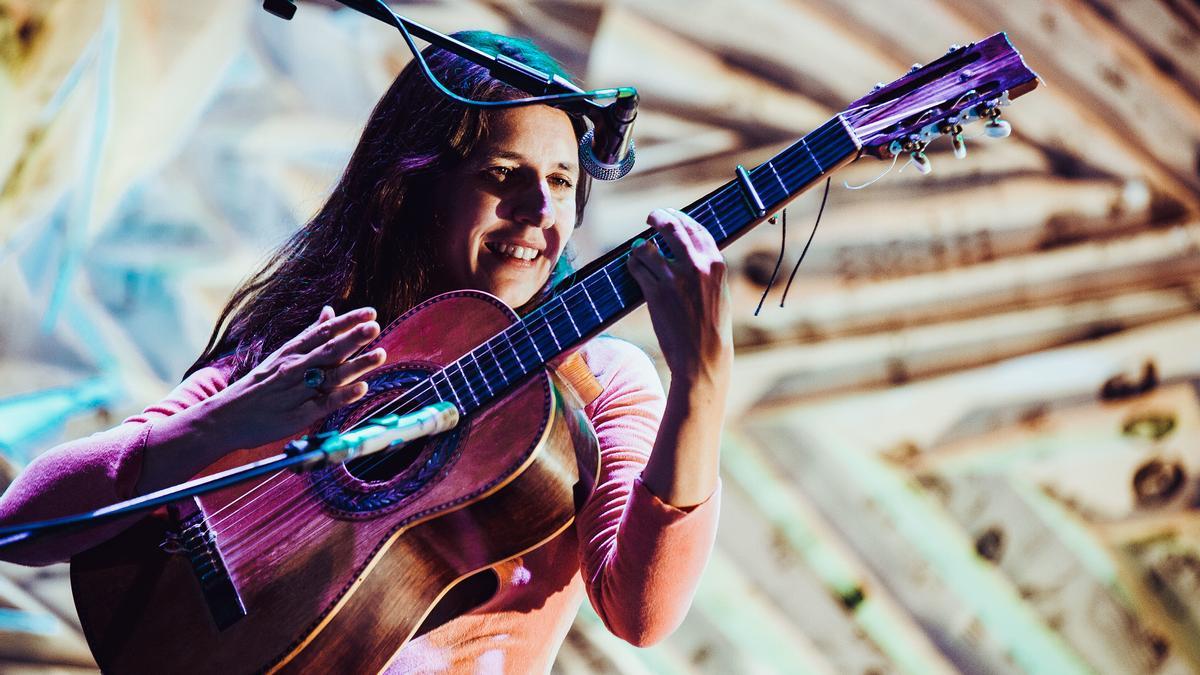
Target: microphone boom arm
{"x":303,"y":453}
{"x":606,"y":151}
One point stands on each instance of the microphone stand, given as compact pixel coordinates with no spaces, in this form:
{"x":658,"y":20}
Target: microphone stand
{"x":301,"y":454}
{"x":550,"y":90}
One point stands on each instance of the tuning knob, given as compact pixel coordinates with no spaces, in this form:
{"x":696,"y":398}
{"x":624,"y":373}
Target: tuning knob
{"x":954,"y":130}
{"x":997,"y":129}
{"x":921,"y":161}
{"x":960,"y":146}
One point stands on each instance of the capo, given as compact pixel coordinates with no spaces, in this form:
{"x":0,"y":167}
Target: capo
{"x":748,"y":191}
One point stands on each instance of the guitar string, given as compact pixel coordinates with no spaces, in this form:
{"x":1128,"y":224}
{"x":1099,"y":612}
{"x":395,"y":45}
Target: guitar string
{"x":724,"y":199}
{"x":719,"y":202}
{"x":728,"y":196}
{"x":307,"y":502}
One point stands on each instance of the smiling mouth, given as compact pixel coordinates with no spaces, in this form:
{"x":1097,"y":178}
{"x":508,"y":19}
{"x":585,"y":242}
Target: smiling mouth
{"x":513,"y":251}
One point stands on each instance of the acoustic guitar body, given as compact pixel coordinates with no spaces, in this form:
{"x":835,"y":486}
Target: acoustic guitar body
{"x":334,"y":569}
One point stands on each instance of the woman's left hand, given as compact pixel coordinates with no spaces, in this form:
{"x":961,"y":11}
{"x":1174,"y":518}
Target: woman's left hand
{"x":687,"y":296}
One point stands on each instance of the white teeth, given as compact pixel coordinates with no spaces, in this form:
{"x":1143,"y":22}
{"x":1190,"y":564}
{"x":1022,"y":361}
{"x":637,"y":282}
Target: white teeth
{"x":514,"y":251}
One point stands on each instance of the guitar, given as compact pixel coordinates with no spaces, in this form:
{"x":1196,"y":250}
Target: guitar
{"x":333,"y":570}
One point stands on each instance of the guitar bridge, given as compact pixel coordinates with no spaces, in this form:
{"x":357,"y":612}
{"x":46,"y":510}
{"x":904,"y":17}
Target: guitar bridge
{"x":195,"y":540}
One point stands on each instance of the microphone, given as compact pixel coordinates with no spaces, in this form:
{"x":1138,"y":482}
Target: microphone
{"x":381,"y":433}
{"x":606,"y":151}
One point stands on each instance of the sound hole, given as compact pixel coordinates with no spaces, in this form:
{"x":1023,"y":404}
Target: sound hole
{"x":382,"y":467}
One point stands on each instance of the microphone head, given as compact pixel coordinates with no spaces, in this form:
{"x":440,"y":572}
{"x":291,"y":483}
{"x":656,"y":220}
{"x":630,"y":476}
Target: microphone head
{"x":598,"y":169}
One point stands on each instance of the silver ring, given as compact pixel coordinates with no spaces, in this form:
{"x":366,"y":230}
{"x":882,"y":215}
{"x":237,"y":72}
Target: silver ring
{"x":314,"y":378}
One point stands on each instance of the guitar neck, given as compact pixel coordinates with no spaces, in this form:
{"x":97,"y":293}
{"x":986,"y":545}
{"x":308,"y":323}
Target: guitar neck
{"x":603,"y":292}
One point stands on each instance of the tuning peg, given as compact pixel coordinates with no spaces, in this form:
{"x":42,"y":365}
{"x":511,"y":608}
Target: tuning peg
{"x":997,"y":128}
{"x":960,"y":146}
{"x":952,"y":128}
{"x":915,"y":147}
{"x":921,"y":161}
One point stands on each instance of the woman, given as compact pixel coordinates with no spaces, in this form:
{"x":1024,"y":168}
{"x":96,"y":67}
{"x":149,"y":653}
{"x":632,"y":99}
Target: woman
{"x":440,"y":197}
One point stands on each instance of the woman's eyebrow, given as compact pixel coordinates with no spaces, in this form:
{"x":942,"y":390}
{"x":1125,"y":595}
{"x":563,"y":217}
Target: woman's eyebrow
{"x":518,"y":157}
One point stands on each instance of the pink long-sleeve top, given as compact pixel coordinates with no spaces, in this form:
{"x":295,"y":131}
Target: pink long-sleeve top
{"x":635,"y":557}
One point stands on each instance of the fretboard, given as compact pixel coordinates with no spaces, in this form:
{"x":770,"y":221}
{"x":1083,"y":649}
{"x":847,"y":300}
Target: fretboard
{"x":603,"y":292}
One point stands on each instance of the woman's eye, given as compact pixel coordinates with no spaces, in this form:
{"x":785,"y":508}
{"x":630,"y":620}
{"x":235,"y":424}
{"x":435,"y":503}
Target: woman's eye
{"x":561,"y":182}
{"x":499,"y":172}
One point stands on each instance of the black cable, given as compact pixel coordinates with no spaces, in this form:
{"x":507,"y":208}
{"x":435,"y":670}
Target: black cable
{"x":778,"y":261}
{"x":545,"y":98}
{"x":810,"y":239}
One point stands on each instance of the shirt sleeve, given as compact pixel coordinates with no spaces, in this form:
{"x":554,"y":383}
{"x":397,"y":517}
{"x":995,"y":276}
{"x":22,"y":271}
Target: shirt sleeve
{"x":641,"y":557}
{"x":88,"y":473}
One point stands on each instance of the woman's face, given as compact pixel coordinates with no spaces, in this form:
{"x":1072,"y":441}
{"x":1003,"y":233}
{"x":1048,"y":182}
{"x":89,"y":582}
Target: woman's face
{"x":506,"y":214}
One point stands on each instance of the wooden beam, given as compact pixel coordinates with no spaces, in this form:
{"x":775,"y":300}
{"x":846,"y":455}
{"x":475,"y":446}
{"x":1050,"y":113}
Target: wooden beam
{"x":978,"y":617}
{"x":1165,"y":31}
{"x":1106,"y":77}
{"x":826,"y":308}
{"x":934,"y":228}
{"x":783,"y":375}
{"x":680,"y":77}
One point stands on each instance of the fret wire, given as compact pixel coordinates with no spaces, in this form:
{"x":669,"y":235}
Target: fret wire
{"x":550,"y":327}
{"x":448,"y":375}
{"x":508,"y":339}
{"x":482,"y":370}
{"x":771,"y":165}
{"x":503,"y":355}
{"x":792,"y":161}
{"x":835,"y":149}
{"x":421,"y":399}
{"x":627,"y":283}
{"x":452,"y":390}
{"x":798,"y":162}
{"x":793,"y":153}
{"x":533,"y":341}
{"x":717,"y":218}
{"x":583,"y":285}
{"x":605,"y":302}
{"x":467,"y":382}
{"x":496,"y":359}
{"x":436,"y":393}
{"x":482,"y":374}
{"x":812,"y":157}
{"x":610,"y":283}
{"x":570,"y":315}
{"x":725,"y":198}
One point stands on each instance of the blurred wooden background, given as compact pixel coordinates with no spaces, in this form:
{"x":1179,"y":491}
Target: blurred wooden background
{"x":969,"y":442}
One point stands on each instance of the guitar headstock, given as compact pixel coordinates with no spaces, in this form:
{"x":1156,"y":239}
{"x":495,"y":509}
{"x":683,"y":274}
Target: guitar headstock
{"x":965,"y":85}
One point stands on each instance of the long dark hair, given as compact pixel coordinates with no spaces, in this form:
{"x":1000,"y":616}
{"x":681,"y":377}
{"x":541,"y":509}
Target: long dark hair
{"x":372,"y":242}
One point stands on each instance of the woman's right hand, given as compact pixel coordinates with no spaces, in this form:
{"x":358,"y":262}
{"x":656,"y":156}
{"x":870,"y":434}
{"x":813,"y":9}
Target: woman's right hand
{"x":273,"y":402}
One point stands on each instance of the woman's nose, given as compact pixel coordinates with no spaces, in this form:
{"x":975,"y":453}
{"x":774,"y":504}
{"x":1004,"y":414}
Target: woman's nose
{"x":535,"y":207}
